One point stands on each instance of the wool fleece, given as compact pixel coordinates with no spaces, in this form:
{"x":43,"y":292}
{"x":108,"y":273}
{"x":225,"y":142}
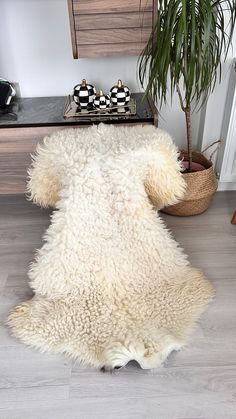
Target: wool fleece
{"x":111,"y":284}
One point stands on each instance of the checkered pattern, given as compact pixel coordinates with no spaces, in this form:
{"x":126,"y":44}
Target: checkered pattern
{"x":120,"y":96}
{"x":102,"y":102}
{"x":84,"y":95}
{"x":122,"y":109}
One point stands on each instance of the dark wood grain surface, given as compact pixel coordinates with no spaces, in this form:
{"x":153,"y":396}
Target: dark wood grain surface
{"x":16,"y":146}
{"x":72,"y":28}
{"x":109,"y":27}
{"x":111,"y":6}
{"x":115,"y":36}
{"x":110,"y":50}
{"x":113,"y":20}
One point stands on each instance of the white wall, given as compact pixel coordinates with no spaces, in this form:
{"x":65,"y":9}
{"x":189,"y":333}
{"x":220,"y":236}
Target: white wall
{"x":214,"y":113}
{"x":35,"y":50}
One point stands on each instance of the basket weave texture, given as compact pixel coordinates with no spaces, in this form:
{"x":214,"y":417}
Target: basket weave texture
{"x":201,"y":186}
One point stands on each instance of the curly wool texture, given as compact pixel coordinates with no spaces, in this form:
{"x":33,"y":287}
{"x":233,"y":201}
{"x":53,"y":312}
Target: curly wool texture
{"x":110,"y":282}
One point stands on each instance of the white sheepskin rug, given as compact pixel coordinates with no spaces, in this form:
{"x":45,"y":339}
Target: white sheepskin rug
{"x":111,"y":284}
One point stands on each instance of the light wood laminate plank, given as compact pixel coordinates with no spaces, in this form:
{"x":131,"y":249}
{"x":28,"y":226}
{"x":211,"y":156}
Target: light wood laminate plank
{"x":197,"y":382}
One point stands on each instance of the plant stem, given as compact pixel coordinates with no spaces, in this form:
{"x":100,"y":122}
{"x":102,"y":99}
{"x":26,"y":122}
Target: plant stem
{"x":187,"y":112}
{"x":189,"y":136}
{"x":180,"y":98}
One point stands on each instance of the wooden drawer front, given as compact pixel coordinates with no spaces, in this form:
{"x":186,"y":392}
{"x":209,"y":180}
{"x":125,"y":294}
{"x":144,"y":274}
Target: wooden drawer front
{"x":13,"y":172}
{"x":113,"y":21}
{"x":111,"y":6}
{"x":16,"y":145}
{"x":108,"y":27}
{"x":116,"y":36}
{"x":104,"y":50}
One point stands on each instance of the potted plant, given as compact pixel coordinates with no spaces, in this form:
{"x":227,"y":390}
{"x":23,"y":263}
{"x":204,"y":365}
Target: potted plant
{"x":189,"y":39}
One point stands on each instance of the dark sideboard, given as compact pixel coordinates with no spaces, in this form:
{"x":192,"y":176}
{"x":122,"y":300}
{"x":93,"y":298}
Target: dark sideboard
{"x":38,"y":117}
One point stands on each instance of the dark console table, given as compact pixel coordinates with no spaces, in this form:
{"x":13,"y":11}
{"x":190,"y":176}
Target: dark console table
{"x":37,"y":117}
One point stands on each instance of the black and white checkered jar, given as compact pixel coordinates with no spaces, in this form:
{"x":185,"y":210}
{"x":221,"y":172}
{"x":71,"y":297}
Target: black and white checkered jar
{"x":120,"y":94}
{"x":84,"y":94}
{"x":102,"y":101}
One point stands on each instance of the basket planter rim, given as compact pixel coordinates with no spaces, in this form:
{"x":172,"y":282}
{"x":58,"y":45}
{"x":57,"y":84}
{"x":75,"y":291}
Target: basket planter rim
{"x":200,"y":188}
{"x":197,"y":157}
{"x":201,"y":183}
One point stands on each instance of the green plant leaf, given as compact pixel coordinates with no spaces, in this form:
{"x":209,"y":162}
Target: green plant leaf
{"x":190,"y":39}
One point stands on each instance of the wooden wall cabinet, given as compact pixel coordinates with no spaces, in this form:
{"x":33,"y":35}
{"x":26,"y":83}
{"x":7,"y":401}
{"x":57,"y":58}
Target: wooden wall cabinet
{"x":110,"y":27}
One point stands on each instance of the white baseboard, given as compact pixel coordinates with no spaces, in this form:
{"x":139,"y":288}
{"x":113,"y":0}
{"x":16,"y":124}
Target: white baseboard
{"x":226,"y":186}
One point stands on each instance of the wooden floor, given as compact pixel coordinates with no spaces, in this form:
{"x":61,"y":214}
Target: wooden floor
{"x":197,"y":382}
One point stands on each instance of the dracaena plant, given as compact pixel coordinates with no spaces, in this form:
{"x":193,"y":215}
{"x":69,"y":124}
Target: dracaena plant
{"x":189,"y":40}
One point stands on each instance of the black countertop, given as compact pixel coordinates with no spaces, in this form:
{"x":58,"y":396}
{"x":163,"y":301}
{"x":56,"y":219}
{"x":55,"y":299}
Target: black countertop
{"x":48,"y":111}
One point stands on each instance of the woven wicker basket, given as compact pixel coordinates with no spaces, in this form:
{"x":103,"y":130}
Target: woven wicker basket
{"x":201,"y":187}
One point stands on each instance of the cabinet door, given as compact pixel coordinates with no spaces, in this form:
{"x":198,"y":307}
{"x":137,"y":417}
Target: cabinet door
{"x":110,"y":27}
{"x":16,"y":145}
